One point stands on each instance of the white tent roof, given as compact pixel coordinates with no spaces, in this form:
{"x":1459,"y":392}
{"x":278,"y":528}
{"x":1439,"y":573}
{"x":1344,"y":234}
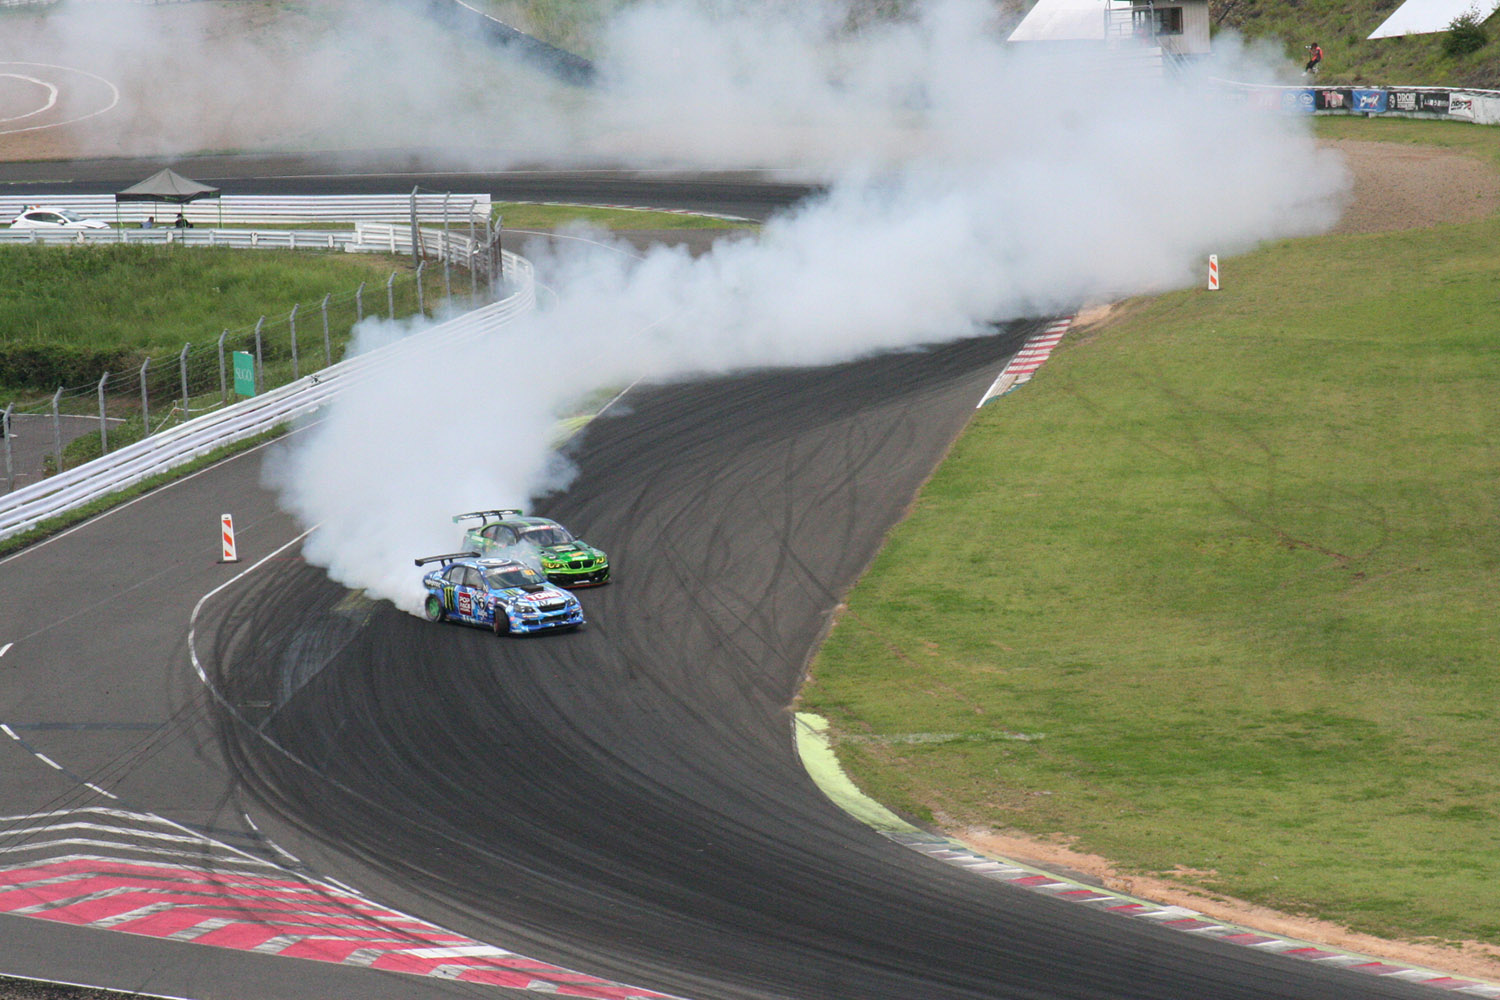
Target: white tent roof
{"x":1062,"y":20}
{"x":1423,"y":17}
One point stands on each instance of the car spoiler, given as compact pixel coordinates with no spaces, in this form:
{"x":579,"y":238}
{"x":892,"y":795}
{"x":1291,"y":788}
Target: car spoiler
{"x":484,"y":514}
{"x":448,"y":558}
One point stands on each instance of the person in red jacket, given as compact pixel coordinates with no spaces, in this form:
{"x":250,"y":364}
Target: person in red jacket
{"x":1315,"y":54}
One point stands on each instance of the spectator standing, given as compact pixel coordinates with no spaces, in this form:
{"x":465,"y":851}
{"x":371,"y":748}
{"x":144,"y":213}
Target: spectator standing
{"x":150,"y":222}
{"x":1315,"y":56}
{"x":182,"y":222}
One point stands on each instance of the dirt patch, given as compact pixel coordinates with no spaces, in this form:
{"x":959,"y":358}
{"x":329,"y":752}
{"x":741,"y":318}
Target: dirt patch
{"x":1468,"y":958}
{"x":1399,"y":186}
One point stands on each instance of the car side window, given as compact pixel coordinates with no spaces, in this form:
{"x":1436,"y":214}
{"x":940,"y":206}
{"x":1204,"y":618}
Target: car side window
{"x":473,"y":579}
{"x":455,"y":575}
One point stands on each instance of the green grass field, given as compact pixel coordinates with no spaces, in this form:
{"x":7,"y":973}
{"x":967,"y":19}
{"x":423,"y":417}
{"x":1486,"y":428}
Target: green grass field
{"x":152,"y":298}
{"x":526,"y":215}
{"x":1350,"y":56}
{"x":1214,"y":594}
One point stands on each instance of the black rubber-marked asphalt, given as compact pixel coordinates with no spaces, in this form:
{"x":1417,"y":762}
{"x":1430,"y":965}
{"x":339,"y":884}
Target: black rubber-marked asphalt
{"x":625,"y":800}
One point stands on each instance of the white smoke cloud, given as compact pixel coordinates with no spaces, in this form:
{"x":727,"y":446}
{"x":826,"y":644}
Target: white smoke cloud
{"x":969,"y":182}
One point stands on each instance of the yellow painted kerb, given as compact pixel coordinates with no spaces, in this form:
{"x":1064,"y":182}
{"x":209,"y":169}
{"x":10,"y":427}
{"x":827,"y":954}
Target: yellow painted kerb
{"x":822,"y":764}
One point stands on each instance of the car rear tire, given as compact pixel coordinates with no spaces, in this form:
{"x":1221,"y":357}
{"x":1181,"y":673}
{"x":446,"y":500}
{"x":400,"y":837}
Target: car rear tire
{"x":434,"y":608}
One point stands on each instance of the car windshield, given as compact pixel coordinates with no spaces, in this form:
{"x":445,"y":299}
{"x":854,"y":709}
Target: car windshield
{"x":70,"y":215}
{"x":546,"y":534}
{"x":513,"y":576}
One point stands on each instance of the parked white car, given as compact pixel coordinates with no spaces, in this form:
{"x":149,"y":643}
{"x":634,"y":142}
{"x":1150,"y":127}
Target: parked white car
{"x":49,"y":217}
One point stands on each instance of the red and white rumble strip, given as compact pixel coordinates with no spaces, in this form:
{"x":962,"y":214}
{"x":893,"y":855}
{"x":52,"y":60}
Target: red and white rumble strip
{"x":138,"y":873}
{"x":1177,"y":917}
{"x":1028,"y":359}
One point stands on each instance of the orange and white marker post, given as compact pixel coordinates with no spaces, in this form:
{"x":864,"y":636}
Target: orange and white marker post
{"x":226,"y":530}
{"x":1213,"y":272}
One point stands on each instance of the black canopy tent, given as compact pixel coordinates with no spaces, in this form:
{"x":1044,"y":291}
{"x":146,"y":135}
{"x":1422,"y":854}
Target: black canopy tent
{"x":167,"y":186}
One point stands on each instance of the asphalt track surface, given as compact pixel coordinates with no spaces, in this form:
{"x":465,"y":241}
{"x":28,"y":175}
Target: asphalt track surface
{"x":625,"y":800}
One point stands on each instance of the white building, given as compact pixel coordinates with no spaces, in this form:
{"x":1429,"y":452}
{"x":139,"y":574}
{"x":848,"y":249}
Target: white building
{"x":1176,"y":27}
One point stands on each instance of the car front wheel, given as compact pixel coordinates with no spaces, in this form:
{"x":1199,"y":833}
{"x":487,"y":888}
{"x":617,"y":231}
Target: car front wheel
{"x":502,"y":622}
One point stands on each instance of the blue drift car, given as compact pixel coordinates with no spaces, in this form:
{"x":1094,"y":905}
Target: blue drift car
{"x":500,"y":594}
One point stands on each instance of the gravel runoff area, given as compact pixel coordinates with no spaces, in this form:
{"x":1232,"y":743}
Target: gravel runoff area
{"x":1411,"y":187}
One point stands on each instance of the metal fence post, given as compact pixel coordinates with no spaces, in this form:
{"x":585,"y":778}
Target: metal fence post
{"x":497,"y":254}
{"x":145,"y":403}
{"x":390,"y":293}
{"x":103,"y":425}
{"x":182,"y":368}
{"x":223,"y":383}
{"x":489,"y":253}
{"x":291,"y":322}
{"x":416,"y":237}
{"x":359,"y":303}
{"x":57,"y":430}
{"x":10,"y":472}
{"x":447,"y":248}
{"x":473,"y":280}
{"x":259,"y":364}
{"x":327,"y":347}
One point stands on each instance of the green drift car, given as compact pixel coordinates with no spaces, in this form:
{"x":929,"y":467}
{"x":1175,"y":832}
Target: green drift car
{"x":566,"y":561}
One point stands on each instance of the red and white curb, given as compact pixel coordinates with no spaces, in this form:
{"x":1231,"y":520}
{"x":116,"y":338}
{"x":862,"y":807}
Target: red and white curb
{"x":137,"y":873}
{"x":815,"y":749}
{"x":1037,"y":349}
{"x":1177,"y":917}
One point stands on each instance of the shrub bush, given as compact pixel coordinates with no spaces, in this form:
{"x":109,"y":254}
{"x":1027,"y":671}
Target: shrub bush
{"x":1465,"y":34}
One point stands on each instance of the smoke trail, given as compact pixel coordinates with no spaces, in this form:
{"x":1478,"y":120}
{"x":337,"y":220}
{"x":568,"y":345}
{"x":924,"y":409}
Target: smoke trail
{"x":969,"y":183}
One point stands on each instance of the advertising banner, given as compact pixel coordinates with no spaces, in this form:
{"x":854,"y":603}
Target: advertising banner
{"x":1334,"y":100}
{"x":1461,"y":106}
{"x":1433,"y":101}
{"x":244,"y":373}
{"x":1369,"y":101}
{"x":1298,"y":100}
{"x":1264,"y":99}
{"x":1403,"y":100}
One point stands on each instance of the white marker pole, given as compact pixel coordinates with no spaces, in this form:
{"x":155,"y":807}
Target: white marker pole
{"x":226,"y":526}
{"x":1213,"y":272}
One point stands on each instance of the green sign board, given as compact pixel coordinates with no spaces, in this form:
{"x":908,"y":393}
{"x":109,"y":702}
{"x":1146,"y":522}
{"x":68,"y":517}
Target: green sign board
{"x":244,"y":373}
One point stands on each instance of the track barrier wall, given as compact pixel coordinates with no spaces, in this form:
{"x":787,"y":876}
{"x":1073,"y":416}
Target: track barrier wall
{"x":1482,"y":107}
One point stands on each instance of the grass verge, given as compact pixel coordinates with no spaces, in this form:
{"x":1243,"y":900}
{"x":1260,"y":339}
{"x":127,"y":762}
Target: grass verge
{"x":1213,"y":596}
{"x":153,"y":299}
{"x":529,"y":215}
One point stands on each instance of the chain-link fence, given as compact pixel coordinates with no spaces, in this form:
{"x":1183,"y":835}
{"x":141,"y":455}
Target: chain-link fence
{"x":40,"y":437}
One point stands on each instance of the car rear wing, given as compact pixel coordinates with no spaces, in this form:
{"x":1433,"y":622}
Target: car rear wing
{"x":484,"y":515}
{"x":447,"y":558}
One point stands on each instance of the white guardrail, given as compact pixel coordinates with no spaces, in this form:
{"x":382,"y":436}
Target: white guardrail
{"x":365,"y":237}
{"x":242,"y":208}
{"x":30,"y":505}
